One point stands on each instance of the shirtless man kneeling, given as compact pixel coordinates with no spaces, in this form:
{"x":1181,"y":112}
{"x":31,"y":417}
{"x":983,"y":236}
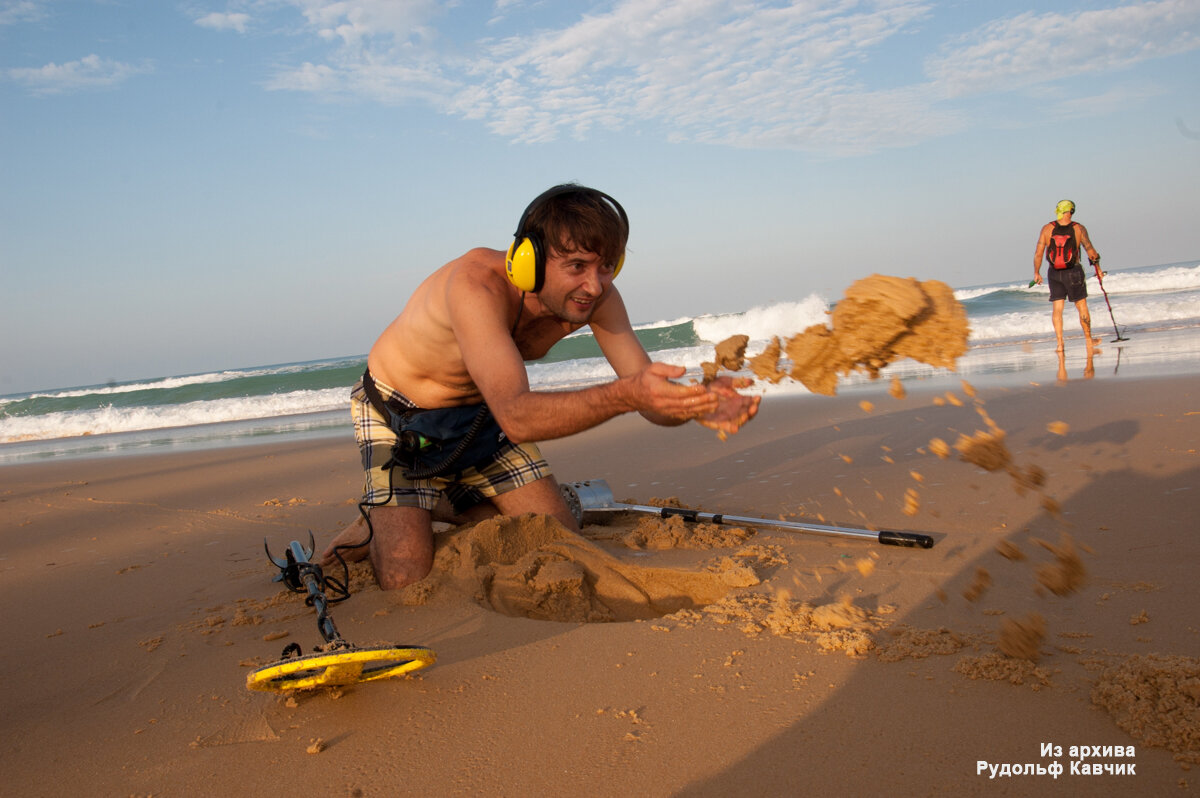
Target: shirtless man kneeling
{"x":453,"y":361}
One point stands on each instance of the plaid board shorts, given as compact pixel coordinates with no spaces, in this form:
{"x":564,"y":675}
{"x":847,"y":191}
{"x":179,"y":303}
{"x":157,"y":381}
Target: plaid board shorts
{"x":511,"y":467}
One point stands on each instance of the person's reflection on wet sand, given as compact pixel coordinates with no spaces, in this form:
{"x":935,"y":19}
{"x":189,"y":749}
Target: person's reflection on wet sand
{"x":1089,"y":370}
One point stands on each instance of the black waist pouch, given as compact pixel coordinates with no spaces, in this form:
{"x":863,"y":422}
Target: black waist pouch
{"x":433,"y":443}
{"x":438,"y":441}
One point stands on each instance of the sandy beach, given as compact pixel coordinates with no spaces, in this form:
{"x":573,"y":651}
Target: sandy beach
{"x":761,"y":662}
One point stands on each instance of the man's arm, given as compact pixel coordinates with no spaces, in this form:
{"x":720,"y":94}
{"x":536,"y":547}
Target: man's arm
{"x":625,"y":353}
{"x":1085,"y":242}
{"x":1042,"y":242}
{"x":477,"y":311}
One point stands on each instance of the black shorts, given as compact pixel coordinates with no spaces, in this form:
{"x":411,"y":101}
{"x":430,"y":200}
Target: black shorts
{"x":1067,"y":284}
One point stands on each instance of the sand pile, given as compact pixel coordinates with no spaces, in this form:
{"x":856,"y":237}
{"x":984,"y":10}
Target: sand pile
{"x":839,"y":625}
{"x":1157,"y":700}
{"x":531,"y":566}
{"x":674,"y":532}
{"x":912,"y":643}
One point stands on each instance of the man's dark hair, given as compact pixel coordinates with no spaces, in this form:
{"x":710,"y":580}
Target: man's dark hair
{"x":575,"y":217}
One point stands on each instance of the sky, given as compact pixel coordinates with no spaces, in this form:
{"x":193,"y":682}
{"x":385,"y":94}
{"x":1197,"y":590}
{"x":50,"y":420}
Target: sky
{"x":189,"y":186}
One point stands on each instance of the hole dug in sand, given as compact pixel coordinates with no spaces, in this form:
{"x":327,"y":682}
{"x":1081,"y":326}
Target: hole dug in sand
{"x":533,"y":567}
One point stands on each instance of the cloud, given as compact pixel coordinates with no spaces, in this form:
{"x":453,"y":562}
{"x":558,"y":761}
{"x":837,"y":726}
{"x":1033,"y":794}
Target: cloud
{"x":380,"y":52}
{"x":1030,"y":49}
{"x":815,"y":75}
{"x":719,"y":71}
{"x":89,"y":72}
{"x":229,"y":21}
{"x":355,"y":22}
{"x":13,"y":13}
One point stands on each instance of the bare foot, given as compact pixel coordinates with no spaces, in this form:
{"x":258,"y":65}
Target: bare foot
{"x":733,"y":409}
{"x":353,"y":538}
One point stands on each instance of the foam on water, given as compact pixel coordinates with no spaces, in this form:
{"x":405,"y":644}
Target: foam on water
{"x":108,"y":419}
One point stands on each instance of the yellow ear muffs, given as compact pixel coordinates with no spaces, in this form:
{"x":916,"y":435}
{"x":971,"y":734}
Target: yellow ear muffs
{"x":523,"y":264}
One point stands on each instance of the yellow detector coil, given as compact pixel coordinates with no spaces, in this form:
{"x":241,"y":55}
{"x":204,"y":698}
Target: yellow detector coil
{"x":339,"y":668}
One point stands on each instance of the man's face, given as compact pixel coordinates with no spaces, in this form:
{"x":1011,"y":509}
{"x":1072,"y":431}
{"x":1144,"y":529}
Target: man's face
{"x":575,"y":282}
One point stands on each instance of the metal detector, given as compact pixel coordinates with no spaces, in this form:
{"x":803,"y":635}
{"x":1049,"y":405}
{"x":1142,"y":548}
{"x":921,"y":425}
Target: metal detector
{"x":1100,"y":280}
{"x":337,"y":662}
{"x":595,"y":498}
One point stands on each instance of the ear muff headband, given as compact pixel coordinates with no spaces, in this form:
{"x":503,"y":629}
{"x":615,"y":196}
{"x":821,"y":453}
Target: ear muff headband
{"x":525,"y":262}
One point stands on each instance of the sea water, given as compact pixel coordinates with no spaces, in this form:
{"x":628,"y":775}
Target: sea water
{"x":1156,"y":307}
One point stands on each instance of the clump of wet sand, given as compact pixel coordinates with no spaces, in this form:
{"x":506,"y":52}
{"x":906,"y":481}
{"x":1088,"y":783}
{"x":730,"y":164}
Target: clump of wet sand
{"x":880,"y":319}
{"x":840,"y":625}
{"x":729,"y":355}
{"x":912,"y":643}
{"x":1021,"y":638}
{"x":674,"y":532}
{"x":1066,"y":574}
{"x":1156,"y":699}
{"x":997,"y":667}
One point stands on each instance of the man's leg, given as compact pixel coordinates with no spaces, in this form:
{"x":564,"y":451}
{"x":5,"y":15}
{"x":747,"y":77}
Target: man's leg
{"x":1085,"y":321}
{"x":353,"y":539}
{"x":541,"y":496}
{"x":1057,"y":315}
{"x":402,"y":546}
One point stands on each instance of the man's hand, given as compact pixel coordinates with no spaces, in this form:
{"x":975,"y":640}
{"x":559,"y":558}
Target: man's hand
{"x":733,"y":409}
{"x":717,"y":405}
{"x":657,"y":395}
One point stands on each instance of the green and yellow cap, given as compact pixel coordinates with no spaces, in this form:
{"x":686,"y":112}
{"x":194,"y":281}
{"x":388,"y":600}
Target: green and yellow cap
{"x":1066,"y":206}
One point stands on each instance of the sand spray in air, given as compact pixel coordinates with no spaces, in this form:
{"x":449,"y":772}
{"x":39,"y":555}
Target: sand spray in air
{"x":880,"y":320}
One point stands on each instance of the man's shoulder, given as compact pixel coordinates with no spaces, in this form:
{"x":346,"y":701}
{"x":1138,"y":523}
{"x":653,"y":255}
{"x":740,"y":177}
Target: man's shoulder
{"x":478,"y":272}
{"x":481,"y":264}
{"x":478,"y":258}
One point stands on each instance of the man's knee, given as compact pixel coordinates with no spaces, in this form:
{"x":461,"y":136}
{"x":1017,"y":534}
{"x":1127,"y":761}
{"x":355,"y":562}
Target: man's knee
{"x":541,"y":496}
{"x":401,"y":546}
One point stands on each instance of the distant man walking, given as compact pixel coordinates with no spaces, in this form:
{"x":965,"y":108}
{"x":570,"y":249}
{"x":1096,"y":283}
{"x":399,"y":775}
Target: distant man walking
{"x":1060,"y":241}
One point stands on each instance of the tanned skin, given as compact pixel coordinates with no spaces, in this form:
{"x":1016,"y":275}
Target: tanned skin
{"x":454,"y":344}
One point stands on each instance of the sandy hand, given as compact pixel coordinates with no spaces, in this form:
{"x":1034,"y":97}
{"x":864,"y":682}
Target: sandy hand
{"x":350,"y":536}
{"x":733,"y":409}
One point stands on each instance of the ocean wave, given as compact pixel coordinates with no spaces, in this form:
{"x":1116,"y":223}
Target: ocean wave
{"x":171,"y":383}
{"x":763,"y":322}
{"x":1181,"y":277}
{"x":1184,"y":276}
{"x":108,"y":419}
